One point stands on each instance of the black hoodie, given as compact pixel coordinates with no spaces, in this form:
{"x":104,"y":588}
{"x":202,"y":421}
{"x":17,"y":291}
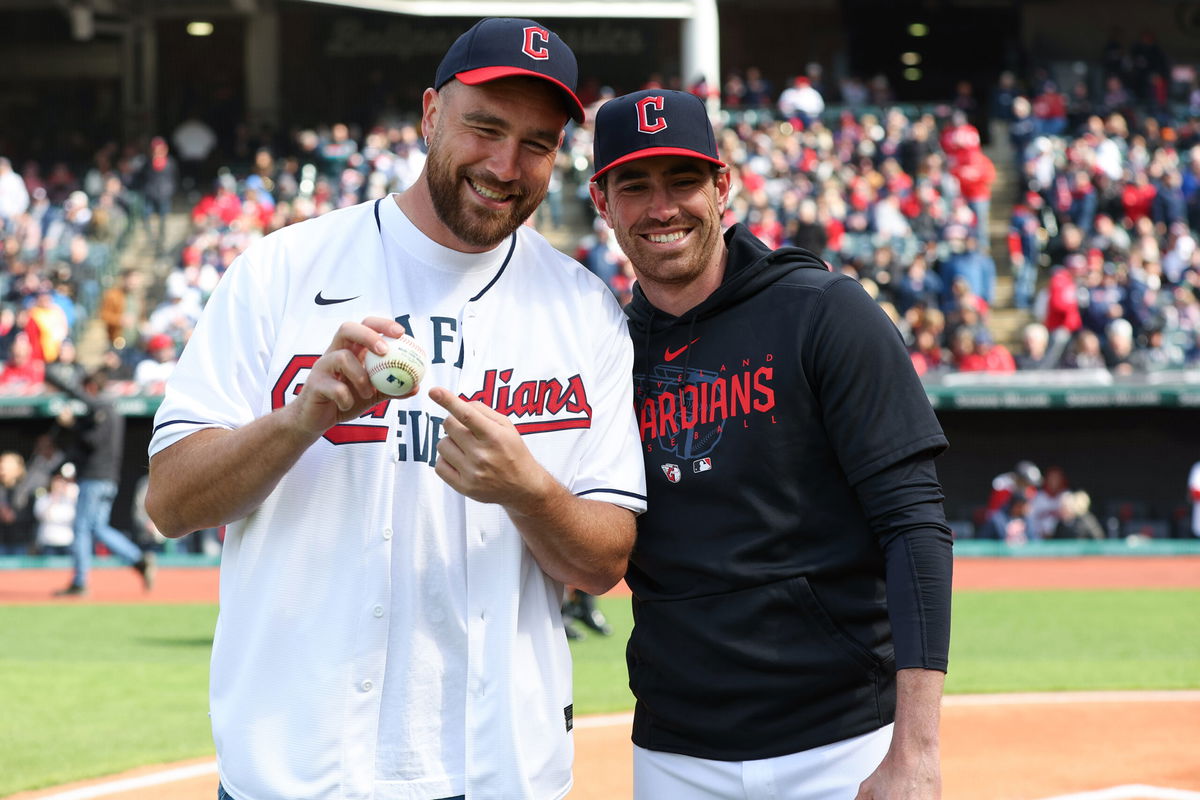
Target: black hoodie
{"x":792,"y":500}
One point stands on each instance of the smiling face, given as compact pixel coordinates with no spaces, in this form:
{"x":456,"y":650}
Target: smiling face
{"x":666,"y":212}
{"x":491,"y":151}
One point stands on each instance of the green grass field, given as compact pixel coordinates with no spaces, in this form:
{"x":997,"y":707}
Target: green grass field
{"x":89,"y":690}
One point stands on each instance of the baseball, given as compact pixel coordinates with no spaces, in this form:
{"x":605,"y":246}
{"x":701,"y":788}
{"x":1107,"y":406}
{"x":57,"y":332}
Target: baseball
{"x":398,"y":371}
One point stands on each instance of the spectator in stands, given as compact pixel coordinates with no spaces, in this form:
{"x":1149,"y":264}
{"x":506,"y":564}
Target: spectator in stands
{"x":1045,"y":509}
{"x":1109,"y":238}
{"x":66,"y":367}
{"x":337,"y":151}
{"x":1077,"y":520}
{"x":1025,"y":236}
{"x":1118,"y":347}
{"x":1062,"y":316}
{"x":14,"y":196}
{"x":1050,"y":111}
{"x":54,"y":510}
{"x":22,"y":373}
{"x":918,"y":284}
{"x":152,"y":372}
{"x":757,"y":92}
{"x":45,"y":460}
{"x":49,"y":324}
{"x":926,"y":353}
{"x":158,"y":181}
{"x":95,"y":444}
{"x":123,"y":309}
{"x":9,"y":328}
{"x":1158,"y":353}
{"x":968,"y":262}
{"x":976,"y":174}
{"x":17,"y":524}
{"x":603,"y":256}
{"x":1084,"y":351}
{"x":1023,"y":480}
{"x":1037,"y":354}
{"x":1008,"y":523}
{"x":801,"y":101}
{"x":1021,"y":130}
{"x":177,"y":315}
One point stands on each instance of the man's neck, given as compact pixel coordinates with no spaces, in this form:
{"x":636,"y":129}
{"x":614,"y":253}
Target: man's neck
{"x":417,"y":204}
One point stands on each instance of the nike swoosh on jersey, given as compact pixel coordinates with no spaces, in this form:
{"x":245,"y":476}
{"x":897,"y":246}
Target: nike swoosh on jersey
{"x":329,"y":301}
{"x":671,"y":355}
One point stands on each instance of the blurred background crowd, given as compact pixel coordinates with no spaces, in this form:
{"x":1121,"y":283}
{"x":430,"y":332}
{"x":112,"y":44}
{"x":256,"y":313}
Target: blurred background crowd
{"x":1026,"y":225}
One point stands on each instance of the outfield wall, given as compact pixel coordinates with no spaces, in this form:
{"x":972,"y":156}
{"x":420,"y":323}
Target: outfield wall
{"x":1120,"y":441}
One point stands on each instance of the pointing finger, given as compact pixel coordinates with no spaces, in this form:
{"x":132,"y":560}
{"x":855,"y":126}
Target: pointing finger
{"x":466,"y":413}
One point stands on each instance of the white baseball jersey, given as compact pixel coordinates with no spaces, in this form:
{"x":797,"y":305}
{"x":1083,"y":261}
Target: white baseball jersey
{"x":382,"y":637}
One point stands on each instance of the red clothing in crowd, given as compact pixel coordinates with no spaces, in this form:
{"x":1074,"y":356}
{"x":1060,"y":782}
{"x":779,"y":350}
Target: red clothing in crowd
{"x":975,"y":173}
{"x":769,"y":233}
{"x":1050,"y":104}
{"x":1062,"y":307}
{"x":959,"y":139}
{"x":999,"y":359}
{"x":835,"y":231}
{"x":24,"y":378}
{"x":1137,"y":200}
{"x":925,"y":360}
{"x":227,"y":207}
{"x":972,"y":362}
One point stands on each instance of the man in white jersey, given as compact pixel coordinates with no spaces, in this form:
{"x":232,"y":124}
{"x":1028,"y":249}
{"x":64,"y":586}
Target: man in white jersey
{"x":393,"y":568}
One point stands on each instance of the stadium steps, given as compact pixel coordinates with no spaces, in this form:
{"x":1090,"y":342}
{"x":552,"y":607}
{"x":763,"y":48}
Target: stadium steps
{"x":138,"y":254}
{"x":1005,"y":321}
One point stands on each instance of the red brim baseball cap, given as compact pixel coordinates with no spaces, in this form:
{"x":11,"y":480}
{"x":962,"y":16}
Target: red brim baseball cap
{"x":653,"y":122}
{"x":498,"y":48}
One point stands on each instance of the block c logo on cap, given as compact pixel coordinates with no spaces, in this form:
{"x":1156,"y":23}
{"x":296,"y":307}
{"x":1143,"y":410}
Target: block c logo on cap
{"x":643,"y":113}
{"x":536,"y":40}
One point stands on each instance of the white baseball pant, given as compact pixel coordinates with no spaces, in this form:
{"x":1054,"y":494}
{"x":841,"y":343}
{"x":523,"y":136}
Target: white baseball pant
{"x":830,"y":772}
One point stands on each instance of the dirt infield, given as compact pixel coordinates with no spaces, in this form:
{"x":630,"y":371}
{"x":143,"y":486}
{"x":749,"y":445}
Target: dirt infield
{"x":190,"y":585}
{"x":1113,"y":746}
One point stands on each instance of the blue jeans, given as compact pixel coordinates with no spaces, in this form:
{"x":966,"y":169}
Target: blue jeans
{"x":92,"y":511}
{"x":224,"y":795}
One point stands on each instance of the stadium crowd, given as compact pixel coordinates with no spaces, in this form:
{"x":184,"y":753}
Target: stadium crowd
{"x":1101,"y":241}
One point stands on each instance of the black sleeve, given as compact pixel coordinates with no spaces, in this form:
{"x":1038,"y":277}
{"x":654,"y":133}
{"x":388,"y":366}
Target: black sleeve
{"x":873,"y":406}
{"x":903,"y":504}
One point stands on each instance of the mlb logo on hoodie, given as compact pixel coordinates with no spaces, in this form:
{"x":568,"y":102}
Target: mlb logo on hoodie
{"x":702,"y":465}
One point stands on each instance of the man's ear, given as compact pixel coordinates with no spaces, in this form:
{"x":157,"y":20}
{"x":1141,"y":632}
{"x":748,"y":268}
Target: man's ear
{"x":431,"y":103}
{"x":723,"y":181}
{"x":600,"y":201}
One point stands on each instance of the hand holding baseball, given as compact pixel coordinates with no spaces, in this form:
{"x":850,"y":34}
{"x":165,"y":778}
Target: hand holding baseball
{"x":482,"y":456}
{"x":338,"y":388}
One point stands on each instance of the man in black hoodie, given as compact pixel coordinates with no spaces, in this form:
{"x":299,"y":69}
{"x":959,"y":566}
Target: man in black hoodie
{"x":791,"y":577}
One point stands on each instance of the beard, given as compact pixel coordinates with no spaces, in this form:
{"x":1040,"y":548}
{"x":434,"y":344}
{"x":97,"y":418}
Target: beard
{"x":473,"y":224}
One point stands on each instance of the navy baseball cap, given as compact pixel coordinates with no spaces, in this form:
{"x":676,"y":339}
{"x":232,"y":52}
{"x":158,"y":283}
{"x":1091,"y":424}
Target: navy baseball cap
{"x":500,"y":47}
{"x":653,"y":122}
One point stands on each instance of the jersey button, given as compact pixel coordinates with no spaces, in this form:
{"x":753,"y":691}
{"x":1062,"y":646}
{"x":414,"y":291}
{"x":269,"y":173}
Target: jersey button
{"x":366,"y":686}
{"x":387,"y":533}
{"x":377,"y":611}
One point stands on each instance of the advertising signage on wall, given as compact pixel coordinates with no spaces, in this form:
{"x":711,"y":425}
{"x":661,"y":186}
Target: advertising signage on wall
{"x":1062,"y":389}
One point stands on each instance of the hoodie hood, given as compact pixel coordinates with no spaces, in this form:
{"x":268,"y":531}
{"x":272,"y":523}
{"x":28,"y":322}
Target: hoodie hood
{"x":750,"y":268}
